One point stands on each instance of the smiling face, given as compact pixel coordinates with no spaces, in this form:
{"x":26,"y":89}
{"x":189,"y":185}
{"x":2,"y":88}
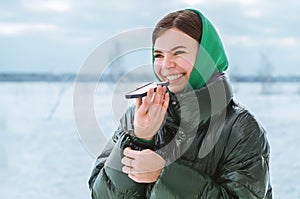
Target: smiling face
{"x":174,"y":57}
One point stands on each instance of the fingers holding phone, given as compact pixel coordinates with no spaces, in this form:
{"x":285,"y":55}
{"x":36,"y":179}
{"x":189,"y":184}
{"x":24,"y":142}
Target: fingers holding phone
{"x":150,"y":112}
{"x":159,"y":95}
{"x":143,"y":105}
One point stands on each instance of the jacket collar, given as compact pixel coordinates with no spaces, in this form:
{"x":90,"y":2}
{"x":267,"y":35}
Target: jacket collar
{"x":197,"y":106}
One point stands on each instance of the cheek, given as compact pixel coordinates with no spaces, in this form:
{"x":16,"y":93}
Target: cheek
{"x":157,"y":68}
{"x":186,"y":65}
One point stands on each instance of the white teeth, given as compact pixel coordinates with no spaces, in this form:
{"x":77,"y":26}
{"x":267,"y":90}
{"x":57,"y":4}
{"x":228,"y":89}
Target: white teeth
{"x":174,"y":77}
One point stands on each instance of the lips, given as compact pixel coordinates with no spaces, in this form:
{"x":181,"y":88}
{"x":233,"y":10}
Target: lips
{"x":174,"y":77}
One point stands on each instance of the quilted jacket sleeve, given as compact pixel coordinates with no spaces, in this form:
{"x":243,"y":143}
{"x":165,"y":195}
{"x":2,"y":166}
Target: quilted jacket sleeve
{"x":107,"y":179}
{"x":111,"y":182}
{"x":244,"y":172}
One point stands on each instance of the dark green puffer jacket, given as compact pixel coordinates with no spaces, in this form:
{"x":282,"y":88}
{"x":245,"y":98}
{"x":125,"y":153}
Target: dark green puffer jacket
{"x":214,"y":149}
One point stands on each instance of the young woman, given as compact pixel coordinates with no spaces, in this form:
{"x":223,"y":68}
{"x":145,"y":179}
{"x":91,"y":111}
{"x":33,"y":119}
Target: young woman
{"x":190,"y":140}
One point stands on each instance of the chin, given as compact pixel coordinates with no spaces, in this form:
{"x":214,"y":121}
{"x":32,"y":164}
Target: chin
{"x":175,"y":89}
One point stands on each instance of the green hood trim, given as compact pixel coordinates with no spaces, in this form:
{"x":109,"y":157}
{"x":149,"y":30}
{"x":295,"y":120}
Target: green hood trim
{"x":211,"y":56}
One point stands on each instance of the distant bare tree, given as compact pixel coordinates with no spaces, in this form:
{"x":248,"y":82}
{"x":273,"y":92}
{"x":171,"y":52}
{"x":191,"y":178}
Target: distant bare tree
{"x":56,"y":104}
{"x":265,"y":74}
{"x":115,"y":70}
{"x":234,"y":76}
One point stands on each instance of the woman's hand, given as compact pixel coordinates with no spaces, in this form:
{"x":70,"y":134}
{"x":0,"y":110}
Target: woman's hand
{"x":150,"y":113}
{"x":142,"y":166}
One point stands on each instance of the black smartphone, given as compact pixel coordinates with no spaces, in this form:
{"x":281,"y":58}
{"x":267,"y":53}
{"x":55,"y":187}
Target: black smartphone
{"x":141,"y":91}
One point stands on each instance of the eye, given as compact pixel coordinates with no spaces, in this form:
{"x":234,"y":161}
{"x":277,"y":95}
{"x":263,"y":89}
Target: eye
{"x":179,"y":52}
{"x":157,"y":55}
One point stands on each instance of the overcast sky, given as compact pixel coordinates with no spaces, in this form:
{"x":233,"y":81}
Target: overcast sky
{"x":57,"y":36}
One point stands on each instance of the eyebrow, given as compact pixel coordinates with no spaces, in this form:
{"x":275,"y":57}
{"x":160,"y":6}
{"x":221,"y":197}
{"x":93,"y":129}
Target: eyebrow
{"x":175,"y":48}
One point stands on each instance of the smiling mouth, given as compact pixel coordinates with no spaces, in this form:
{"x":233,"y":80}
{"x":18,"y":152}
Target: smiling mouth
{"x":174,"y":77}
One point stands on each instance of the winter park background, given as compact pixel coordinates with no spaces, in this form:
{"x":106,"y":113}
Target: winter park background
{"x":43,"y":45}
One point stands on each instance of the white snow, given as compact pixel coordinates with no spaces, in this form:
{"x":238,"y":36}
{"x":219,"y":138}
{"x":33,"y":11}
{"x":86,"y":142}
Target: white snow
{"x":43,"y":156}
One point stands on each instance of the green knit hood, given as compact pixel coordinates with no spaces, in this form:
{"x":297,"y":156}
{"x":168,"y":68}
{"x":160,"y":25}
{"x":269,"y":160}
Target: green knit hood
{"x":211,"y":57}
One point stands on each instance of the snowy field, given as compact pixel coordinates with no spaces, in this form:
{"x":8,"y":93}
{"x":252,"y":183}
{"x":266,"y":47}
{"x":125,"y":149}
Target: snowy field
{"x":43,"y":156}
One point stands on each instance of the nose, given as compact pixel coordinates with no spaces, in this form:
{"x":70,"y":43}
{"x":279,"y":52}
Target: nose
{"x":168,"y":61}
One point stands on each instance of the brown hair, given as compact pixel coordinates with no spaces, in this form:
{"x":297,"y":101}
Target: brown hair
{"x":186,"y":21}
